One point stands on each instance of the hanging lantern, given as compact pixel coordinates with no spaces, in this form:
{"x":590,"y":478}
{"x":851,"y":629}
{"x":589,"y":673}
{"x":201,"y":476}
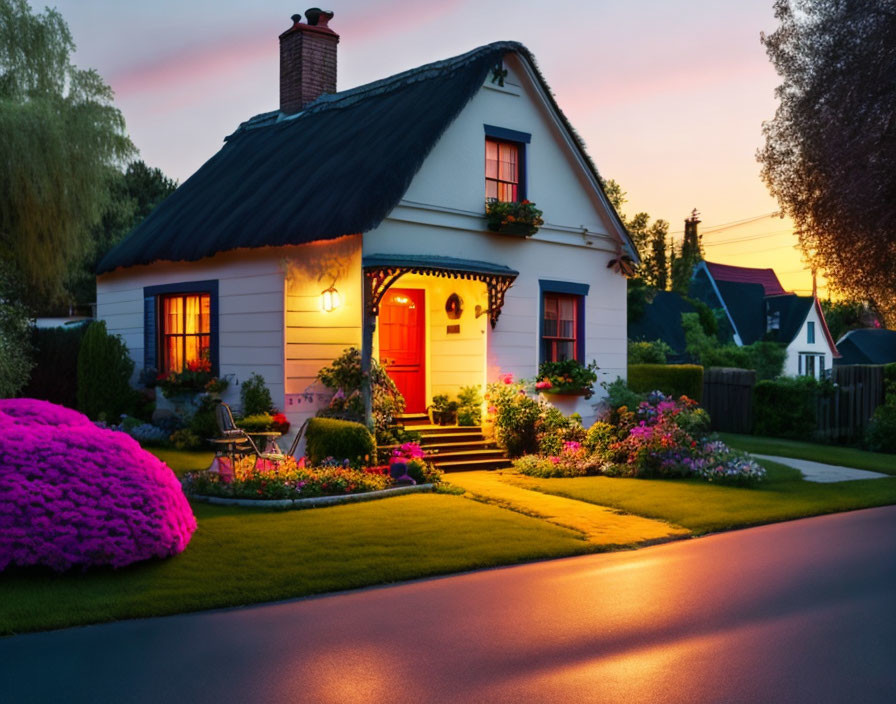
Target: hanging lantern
{"x":330,"y":299}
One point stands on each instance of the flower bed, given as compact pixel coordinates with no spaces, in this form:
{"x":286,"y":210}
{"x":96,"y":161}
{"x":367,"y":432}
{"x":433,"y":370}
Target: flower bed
{"x":292,"y":479}
{"x":73,"y":494}
{"x":662,"y":437}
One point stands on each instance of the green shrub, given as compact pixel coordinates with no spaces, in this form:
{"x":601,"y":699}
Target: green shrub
{"x":255,"y":396}
{"x":469,"y":411}
{"x":104,"y":373}
{"x":599,"y":437}
{"x":185,"y":439}
{"x":343,"y":377}
{"x":785,"y":407}
{"x":423,"y":472}
{"x":890,"y":382}
{"x":204,"y":423}
{"x":880,"y":435}
{"x":671,"y":379}
{"x":55,"y":374}
{"x":341,"y":440}
{"x":653,"y":352}
{"x":258,"y":423}
{"x":618,"y":394}
{"x":515,"y":416}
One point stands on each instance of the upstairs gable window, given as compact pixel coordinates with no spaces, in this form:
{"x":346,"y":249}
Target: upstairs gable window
{"x":502,"y":171}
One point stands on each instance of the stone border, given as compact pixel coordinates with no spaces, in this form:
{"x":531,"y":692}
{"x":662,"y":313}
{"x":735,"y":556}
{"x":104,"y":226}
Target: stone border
{"x":315,"y":500}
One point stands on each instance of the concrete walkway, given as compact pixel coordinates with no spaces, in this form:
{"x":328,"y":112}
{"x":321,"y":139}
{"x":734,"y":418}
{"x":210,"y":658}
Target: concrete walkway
{"x":600,"y":525}
{"x":823,"y":473}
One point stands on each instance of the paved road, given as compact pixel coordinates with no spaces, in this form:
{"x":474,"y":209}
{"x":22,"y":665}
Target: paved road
{"x":796,"y":612}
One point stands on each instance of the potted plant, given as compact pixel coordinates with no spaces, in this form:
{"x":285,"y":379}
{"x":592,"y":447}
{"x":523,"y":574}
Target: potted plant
{"x":569,"y":377}
{"x":443,"y":410}
{"x":521,"y":219}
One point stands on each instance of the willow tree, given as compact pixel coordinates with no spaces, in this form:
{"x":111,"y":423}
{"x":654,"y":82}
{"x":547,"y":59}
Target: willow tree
{"x":60,"y":139}
{"x":830,"y":151}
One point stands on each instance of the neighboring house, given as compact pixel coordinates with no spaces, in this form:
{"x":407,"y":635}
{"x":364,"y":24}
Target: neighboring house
{"x":758,"y":308}
{"x":867,"y":346}
{"x":357,"y":219}
{"x":661,"y":320}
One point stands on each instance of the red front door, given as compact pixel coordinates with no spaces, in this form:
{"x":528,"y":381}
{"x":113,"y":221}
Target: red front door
{"x":402,"y":325}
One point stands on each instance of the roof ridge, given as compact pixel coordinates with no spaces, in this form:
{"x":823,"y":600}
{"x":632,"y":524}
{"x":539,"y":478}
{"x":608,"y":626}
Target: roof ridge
{"x":350,"y":96}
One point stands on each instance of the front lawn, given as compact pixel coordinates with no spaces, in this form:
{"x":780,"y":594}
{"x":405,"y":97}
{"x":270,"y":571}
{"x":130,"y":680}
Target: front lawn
{"x":704,"y":508}
{"x":244,"y":556}
{"x":828,"y":454}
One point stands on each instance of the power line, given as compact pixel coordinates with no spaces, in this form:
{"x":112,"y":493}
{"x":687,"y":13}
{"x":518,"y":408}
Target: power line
{"x":733,"y":223}
{"x":747,"y":238}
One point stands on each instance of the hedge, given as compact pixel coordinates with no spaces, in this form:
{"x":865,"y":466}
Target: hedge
{"x":104,"y":372}
{"x":55,"y":374}
{"x":785,"y":407}
{"x":671,"y":379}
{"x":341,"y":440}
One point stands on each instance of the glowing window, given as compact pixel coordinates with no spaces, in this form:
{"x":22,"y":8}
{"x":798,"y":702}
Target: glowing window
{"x":184,"y":332}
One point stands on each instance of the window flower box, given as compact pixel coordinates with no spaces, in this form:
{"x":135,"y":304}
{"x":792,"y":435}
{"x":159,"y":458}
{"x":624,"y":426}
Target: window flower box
{"x":518,"y":219}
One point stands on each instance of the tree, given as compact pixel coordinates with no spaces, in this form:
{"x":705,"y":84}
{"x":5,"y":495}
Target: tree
{"x":691,"y":252}
{"x":649,"y":239}
{"x":843,"y":316}
{"x":133,"y":194}
{"x":60,"y":136}
{"x":830,"y":151}
{"x":15,"y":347}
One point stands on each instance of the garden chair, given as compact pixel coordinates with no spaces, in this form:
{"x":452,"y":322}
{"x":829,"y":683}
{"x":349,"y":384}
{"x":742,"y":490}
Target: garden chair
{"x":242,"y":442}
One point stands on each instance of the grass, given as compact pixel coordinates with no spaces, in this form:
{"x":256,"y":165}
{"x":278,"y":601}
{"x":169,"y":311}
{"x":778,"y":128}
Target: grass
{"x":244,"y":556}
{"x":828,"y":454}
{"x":704,"y":507}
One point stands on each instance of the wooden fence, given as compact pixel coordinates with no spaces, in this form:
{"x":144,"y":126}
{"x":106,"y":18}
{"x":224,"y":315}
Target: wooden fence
{"x":728,"y":398}
{"x":842,"y":415}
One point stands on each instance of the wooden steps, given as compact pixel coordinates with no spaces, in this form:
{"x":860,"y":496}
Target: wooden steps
{"x":454,"y":448}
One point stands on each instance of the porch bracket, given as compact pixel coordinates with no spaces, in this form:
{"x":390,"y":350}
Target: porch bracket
{"x":382,"y":271}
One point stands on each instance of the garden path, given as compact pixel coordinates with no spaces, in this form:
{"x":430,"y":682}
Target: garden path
{"x":823,"y":473}
{"x":599,"y":525}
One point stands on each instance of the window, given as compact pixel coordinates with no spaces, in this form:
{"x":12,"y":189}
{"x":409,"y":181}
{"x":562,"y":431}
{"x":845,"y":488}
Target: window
{"x":505,"y":164}
{"x":562,"y":321}
{"x":810,"y":333}
{"x":184,"y":331}
{"x":502,"y":171}
{"x":811,"y":364}
{"x":180,"y":325}
{"x":559,"y":327}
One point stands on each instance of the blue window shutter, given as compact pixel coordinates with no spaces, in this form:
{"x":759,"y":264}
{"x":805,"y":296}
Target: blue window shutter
{"x":149,"y":332}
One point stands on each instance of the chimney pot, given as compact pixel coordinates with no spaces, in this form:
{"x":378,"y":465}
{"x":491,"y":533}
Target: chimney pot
{"x":296,"y":19}
{"x":317,"y":17}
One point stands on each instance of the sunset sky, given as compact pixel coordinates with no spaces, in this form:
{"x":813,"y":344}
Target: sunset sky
{"x":669,"y":95}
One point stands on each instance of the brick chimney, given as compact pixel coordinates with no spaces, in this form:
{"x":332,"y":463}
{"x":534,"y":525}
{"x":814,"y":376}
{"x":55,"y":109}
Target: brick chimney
{"x":307,"y":60}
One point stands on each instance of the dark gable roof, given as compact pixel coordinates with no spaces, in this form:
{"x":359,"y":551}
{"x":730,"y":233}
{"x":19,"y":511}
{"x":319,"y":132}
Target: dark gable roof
{"x":746,"y":305}
{"x":336,"y":168}
{"x":793,"y":311}
{"x":867,"y":346}
{"x":746,"y":275}
{"x":662,"y":321}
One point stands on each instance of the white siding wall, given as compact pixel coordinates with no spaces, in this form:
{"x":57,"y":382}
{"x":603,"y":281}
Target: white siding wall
{"x":448,"y":192}
{"x":313,"y":338}
{"x":800,"y":344}
{"x":250,"y":311}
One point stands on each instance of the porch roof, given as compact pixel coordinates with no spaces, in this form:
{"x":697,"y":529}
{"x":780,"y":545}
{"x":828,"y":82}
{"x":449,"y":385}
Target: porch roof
{"x":383,"y":270}
{"x":428,"y":262}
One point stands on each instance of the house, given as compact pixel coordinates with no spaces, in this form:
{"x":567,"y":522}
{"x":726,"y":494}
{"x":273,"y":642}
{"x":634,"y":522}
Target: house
{"x":757,"y":307}
{"x":867,"y":346}
{"x":661,"y":320}
{"x":357,"y":218}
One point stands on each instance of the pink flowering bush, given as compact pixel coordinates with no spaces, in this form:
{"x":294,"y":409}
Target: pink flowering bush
{"x":73,"y":494}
